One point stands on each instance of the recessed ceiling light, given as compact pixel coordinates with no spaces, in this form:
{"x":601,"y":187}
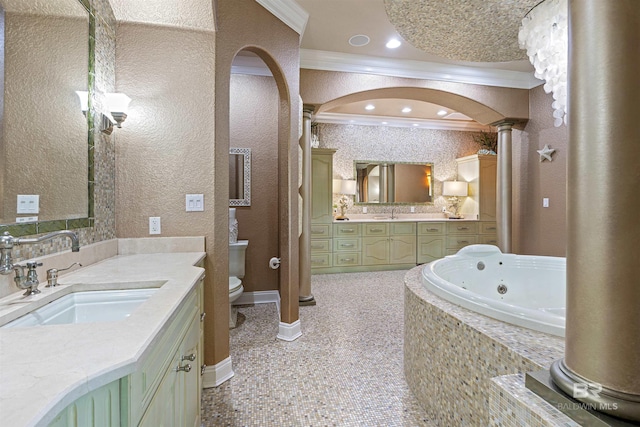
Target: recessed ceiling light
{"x":384,"y":123}
{"x":370,"y":107}
{"x":442,"y":112}
{"x":416,"y":124}
{"x":352,"y":121}
{"x":359,"y":40}
{"x":406,"y":110}
{"x":393,"y":43}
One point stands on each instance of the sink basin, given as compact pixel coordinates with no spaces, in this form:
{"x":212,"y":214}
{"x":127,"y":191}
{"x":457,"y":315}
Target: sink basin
{"x":85,"y":307}
{"x":382,"y":218}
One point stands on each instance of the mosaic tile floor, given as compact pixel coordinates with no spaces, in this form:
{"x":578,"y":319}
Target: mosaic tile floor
{"x":345,"y":370}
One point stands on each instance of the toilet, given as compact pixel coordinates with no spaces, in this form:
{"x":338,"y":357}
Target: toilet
{"x":237,"y":253}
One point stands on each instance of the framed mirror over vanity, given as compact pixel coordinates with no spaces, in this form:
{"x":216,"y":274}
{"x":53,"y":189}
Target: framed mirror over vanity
{"x":46,"y":147}
{"x":385,"y":182}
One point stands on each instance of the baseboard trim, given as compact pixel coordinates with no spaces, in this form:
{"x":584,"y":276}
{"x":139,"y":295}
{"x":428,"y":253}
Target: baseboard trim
{"x":290,"y":331}
{"x":258,"y":297}
{"x":217,"y":374}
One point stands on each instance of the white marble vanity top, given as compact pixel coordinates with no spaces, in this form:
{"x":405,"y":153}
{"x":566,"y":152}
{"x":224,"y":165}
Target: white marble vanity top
{"x":45,"y":368}
{"x":383,"y":217}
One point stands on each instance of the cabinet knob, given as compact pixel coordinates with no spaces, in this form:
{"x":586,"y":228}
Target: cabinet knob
{"x":376,"y":230}
{"x":432,"y":229}
{"x":463,"y":228}
{"x":185,"y":368}
{"x":346,"y":259}
{"x":347,"y":245}
{"x":202,"y":316}
{"x":463,"y":241}
{"x":202,"y":368}
{"x":190,"y":357}
{"x":347,"y":230}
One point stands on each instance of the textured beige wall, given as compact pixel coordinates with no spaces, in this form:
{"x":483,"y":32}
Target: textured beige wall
{"x":165,"y":148}
{"x":179,"y":80}
{"x":486,"y":104}
{"x":44,"y":132}
{"x":538,"y":230}
{"x":255,"y":125}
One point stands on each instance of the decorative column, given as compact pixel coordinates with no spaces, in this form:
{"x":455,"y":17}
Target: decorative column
{"x":305,"y":296}
{"x":602,"y":355}
{"x":504,"y":187}
{"x":382,"y":180}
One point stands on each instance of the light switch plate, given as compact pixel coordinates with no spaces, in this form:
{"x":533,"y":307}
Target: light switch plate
{"x":195,"y":202}
{"x":28,"y":204}
{"x":545,"y":202}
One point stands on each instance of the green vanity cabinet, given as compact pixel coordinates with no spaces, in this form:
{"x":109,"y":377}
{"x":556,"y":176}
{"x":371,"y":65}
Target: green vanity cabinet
{"x":164,"y":391}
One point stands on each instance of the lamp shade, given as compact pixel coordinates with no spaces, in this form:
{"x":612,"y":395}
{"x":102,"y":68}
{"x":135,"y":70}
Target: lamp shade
{"x":84,"y":99}
{"x":118,"y":102}
{"x":455,"y":188}
{"x":344,"y":186}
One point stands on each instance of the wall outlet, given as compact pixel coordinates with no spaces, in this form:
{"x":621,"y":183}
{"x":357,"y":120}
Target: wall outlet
{"x":545,"y":202}
{"x":364,"y":209}
{"x":154,"y":225}
{"x":413,"y":209}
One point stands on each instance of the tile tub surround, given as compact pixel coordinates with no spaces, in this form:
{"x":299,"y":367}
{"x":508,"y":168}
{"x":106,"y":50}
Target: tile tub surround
{"x":513,"y":405}
{"x":451,"y":354}
{"x":47,"y":368}
{"x":345,"y":370}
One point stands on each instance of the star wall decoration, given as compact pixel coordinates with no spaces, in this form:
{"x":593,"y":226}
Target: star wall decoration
{"x":546,"y":153}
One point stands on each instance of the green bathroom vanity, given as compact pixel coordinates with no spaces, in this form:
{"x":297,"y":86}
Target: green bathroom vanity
{"x":140,"y":371}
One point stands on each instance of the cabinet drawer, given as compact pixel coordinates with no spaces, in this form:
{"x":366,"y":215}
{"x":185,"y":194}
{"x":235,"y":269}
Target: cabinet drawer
{"x":426,"y":228}
{"x":488,"y":239}
{"x":376,"y":229}
{"x":320,"y":260}
{"x":459,"y":242}
{"x":346,"y":245}
{"x":320,"y":230}
{"x":346,"y":258}
{"x":403,"y":229}
{"x":340,"y":230}
{"x":488,"y":228}
{"x":320,"y":245}
{"x":462,"y":227}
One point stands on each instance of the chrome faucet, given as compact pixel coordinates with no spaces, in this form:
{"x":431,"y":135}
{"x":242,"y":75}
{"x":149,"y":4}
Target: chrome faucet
{"x":30,"y":280}
{"x":393,"y":213}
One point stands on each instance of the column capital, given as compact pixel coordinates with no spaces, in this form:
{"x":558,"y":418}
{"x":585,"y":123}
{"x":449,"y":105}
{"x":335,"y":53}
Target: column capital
{"x":509,"y":123}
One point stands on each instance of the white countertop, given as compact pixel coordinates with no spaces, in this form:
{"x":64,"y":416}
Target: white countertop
{"x":400,"y":218}
{"x":45,"y":368}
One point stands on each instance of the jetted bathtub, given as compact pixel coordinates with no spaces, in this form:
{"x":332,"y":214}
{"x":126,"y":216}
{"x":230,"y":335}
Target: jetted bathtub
{"x":524,"y":290}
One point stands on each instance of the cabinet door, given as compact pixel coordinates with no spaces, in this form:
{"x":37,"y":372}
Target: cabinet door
{"x":321,"y":186}
{"x":99,"y":408}
{"x":163,"y":410}
{"x":190,"y":381}
{"x":402,"y":250}
{"x":375,"y":250}
{"x":430,"y":248}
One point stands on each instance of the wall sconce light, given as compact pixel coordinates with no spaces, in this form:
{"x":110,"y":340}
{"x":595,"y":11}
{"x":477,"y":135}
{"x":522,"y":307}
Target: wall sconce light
{"x":84,"y":100}
{"x":118,"y":104}
{"x":346,"y":187}
{"x":455,"y":189}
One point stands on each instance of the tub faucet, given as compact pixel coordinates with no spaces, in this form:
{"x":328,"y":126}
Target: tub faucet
{"x":30,"y":280}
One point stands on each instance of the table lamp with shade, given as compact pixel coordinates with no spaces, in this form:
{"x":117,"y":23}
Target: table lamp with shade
{"x":453,"y":190}
{"x":346,"y":187}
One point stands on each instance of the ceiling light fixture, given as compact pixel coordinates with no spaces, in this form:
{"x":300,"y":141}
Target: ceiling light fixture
{"x":442,"y":113}
{"x":370,"y":107}
{"x":393,"y":43}
{"x":416,"y":124}
{"x":406,"y":110}
{"x":545,"y":35}
{"x":359,"y":40}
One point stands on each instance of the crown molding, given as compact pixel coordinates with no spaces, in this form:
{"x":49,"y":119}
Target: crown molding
{"x":289,"y":12}
{"x":349,"y":63}
{"x":366,"y":120}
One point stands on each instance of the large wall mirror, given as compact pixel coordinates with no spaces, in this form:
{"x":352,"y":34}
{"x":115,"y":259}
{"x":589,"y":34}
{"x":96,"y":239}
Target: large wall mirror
{"x":240,"y":177}
{"x":46,"y":148}
{"x":393,"y":182}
